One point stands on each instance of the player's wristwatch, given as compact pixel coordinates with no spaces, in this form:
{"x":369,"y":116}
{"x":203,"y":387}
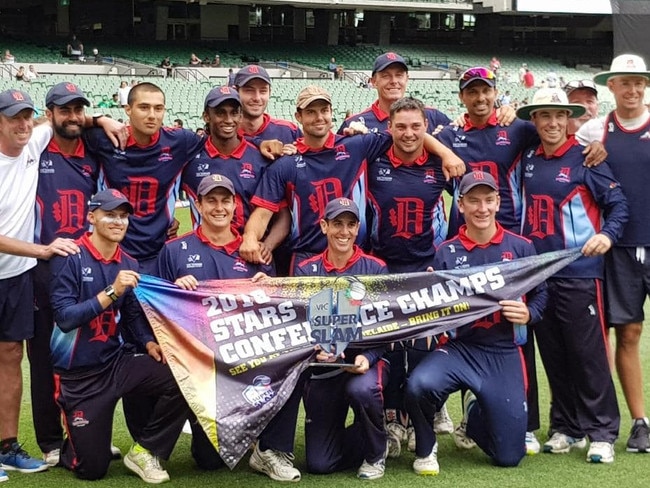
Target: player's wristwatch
{"x":110,"y":291}
{"x":96,"y":117}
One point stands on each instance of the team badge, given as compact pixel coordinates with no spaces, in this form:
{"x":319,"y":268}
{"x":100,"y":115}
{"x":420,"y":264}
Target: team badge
{"x":564,"y":175}
{"x":502,"y":138}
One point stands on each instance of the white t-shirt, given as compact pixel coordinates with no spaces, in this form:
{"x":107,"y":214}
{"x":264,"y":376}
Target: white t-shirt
{"x":18,"y":181}
{"x":123,"y":95}
{"x":594,"y":130}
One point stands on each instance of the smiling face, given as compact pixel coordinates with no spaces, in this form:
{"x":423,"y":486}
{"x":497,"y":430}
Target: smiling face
{"x":629,"y":92}
{"x":316,"y":119}
{"x":551,"y":126}
{"x":586,"y":97}
{"x":408,"y":128}
{"x":68,"y":120}
{"x":217,"y":209}
{"x":110,"y":225}
{"x":341,"y":232}
{"x":391,"y":83}
{"x":479,"y":207}
{"x":223,"y":120}
{"x":478,"y":98}
{"x":15,"y":132}
{"x":254,"y":97}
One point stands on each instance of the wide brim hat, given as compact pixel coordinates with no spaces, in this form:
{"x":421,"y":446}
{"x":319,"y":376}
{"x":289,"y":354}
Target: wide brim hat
{"x":551,"y":99}
{"x":623,"y":65}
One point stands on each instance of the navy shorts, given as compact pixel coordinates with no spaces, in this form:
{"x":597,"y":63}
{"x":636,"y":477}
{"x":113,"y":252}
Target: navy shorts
{"x":627,"y":283}
{"x":17,"y":308}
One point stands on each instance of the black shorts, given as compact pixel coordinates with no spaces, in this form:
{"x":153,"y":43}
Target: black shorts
{"x":17,"y":308}
{"x":627,"y":283}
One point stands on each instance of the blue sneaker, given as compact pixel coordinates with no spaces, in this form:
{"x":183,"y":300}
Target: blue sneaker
{"x":3,"y":475}
{"x":17,"y":459}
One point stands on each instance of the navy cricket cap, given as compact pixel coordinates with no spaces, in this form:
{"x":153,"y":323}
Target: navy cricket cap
{"x":340,"y":205}
{"x":385,"y":60}
{"x":210,"y":182}
{"x":13,"y":101}
{"x":109,"y":200}
{"x":64,"y":93}
{"x":250,"y":72}
{"x":220,"y":94}
{"x":474,"y":179}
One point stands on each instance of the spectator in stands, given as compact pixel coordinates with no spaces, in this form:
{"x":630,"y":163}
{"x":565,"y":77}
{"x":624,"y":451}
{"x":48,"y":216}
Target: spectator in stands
{"x":31,"y":74}
{"x":105,"y":102}
{"x":8,"y":58}
{"x":20,"y":74}
{"x":332,"y":67}
{"x":495,"y":65}
{"x":522,"y":72}
{"x":200,"y":131}
{"x":97,"y":58}
{"x":195,"y":60}
{"x":562,"y":82}
{"x":551,"y":79}
{"x":231,"y":78}
{"x":505,"y":98}
{"x":216,"y":62}
{"x":167,"y":64}
{"x":178,"y":124}
{"x":123,"y":93}
{"x":529,"y":79}
{"x":583,"y":92}
{"x":115,"y":101}
{"x":339,"y":72}
{"x":75,"y":48}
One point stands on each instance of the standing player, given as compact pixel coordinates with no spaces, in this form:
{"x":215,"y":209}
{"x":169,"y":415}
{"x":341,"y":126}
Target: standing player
{"x":93,"y":301}
{"x":331,"y":446}
{"x":148,"y":171}
{"x":390,"y":77}
{"x":405,"y":194}
{"x":626,"y":135}
{"x":565,"y":204}
{"x":483,"y":357}
{"x":254,"y":86}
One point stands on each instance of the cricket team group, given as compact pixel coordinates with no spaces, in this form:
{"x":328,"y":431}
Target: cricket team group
{"x":87,"y":206}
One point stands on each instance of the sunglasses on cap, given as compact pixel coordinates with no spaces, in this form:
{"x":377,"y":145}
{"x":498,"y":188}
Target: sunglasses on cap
{"x":575,"y":84}
{"x":483,"y":73}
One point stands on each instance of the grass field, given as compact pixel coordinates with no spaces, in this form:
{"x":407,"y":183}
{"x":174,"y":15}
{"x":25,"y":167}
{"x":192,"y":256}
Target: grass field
{"x":458,"y":468}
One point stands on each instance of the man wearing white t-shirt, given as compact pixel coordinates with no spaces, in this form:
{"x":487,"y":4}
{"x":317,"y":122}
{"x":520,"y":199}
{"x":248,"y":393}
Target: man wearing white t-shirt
{"x":625,"y":132}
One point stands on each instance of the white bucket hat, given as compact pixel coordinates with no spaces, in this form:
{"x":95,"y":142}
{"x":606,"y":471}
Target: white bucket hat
{"x":623,"y":65}
{"x":551,"y":98}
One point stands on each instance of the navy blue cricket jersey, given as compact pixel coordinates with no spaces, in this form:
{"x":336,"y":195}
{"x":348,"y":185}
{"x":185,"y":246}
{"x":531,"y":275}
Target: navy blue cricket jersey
{"x":65,"y":184}
{"x":271,"y":128}
{"x":244,"y":167}
{"x":495,"y":150}
{"x":564,"y":204}
{"x":462,"y":252}
{"x":408,"y":214}
{"x":376,"y":120}
{"x":85,"y":335}
{"x":308,"y":180}
{"x":359,"y":264}
{"x":150,"y":178}
{"x":629,"y":156}
{"x":193,"y":254}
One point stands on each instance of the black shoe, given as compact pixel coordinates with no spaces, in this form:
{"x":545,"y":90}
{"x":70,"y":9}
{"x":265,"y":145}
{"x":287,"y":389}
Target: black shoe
{"x":639,"y":440}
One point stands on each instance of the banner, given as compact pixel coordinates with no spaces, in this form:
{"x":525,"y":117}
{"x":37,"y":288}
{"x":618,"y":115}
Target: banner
{"x":236,"y":348}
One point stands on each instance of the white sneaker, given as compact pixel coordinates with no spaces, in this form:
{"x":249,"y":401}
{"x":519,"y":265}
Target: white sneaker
{"x":115,"y":452}
{"x":442,"y":423}
{"x":52,"y":457}
{"x":561,"y":443}
{"x":410,"y":439}
{"x":427,"y":466}
{"x":600,"y":452}
{"x":146,"y":466}
{"x":461,"y":439}
{"x":396,"y":432}
{"x":373,"y":471}
{"x":532,"y":444}
{"x":275,"y":464}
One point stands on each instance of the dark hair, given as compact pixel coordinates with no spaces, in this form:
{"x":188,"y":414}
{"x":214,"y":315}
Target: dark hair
{"x":407,"y":103}
{"x":143,"y":87}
